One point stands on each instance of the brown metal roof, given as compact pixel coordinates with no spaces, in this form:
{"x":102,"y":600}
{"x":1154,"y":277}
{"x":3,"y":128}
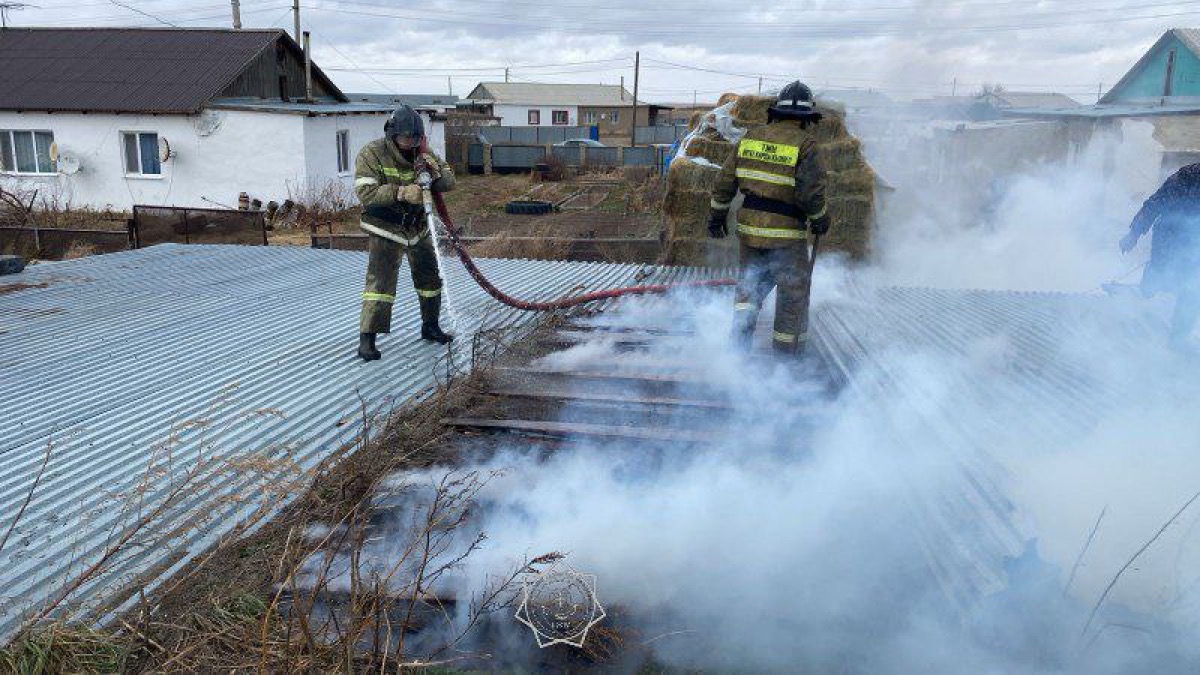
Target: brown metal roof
{"x":125,"y":69}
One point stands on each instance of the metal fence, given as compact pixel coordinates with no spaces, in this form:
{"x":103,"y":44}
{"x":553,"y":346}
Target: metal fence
{"x":661,"y":135}
{"x":535,"y":135}
{"x":180,"y":225}
{"x":54,"y":243}
{"x":511,"y":158}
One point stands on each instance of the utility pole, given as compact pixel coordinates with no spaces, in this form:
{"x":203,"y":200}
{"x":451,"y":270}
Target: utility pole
{"x":5,"y":7}
{"x":760,"y":86}
{"x":693,"y":98}
{"x":449,"y":86}
{"x":1099,"y":92}
{"x":506,"y":74}
{"x":296,"y":18}
{"x":954,"y":88}
{"x":237,"y":14}
{"x":637,"y":69}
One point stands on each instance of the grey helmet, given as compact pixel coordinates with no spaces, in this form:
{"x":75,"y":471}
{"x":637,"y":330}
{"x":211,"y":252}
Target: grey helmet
{"x":404,"y":122}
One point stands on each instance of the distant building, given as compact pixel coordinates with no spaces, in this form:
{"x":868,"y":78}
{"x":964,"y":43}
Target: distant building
{"x":112,"y":117}
{"x":607,"y":107}
{"x":1169,"y":72}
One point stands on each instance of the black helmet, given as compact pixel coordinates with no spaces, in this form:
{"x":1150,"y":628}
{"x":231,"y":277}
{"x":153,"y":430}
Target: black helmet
{"x":795,"y":101}
{"x":404,"y":122}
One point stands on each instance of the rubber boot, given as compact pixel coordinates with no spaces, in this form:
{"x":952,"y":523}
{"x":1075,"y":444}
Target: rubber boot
{"x":743,"y":330}
{"x":431,"y":309}
{"x":366,"y":347}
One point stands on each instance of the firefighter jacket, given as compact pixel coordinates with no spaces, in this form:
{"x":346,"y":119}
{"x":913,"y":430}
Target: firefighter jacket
{"x":379,"y":172}
{"x":777,"y":170}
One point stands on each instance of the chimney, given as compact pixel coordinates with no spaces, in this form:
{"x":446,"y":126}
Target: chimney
{"x":308,"y":97}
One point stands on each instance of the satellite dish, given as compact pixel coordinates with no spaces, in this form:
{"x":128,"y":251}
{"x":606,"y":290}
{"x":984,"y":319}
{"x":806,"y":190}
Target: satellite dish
{"x":164,"y":149}
{"x":68,"y":165}
{"x":54,"y":152}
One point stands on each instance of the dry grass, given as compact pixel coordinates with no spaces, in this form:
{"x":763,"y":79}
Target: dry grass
{"x":79,"y":249}
{"x":539,"y":246}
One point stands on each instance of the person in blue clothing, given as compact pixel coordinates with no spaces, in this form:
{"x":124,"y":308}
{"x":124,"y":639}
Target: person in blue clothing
{"x":1172,"y":217}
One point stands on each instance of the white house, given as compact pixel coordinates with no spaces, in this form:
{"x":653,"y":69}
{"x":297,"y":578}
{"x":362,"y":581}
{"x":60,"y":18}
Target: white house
{"x":109,"y":118}
{"x":531,"y":104}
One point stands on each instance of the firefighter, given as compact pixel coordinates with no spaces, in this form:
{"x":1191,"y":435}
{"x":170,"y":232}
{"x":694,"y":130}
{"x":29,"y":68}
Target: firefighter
{"x":385,"y":175}
{"x":1172,"y":215}
{"x":777,"y":171}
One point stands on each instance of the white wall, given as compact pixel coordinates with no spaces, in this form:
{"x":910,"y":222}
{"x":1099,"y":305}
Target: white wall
{"x":217,"y":155}
{"x":518,"y":115}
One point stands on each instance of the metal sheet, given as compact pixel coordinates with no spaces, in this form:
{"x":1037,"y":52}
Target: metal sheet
{"x":245,"y":352}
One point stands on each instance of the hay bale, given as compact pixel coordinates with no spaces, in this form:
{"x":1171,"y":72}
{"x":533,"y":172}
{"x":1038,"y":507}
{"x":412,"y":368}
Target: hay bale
{"x":715,"y":151}
{"x":687,"y":175}
{"x":726,"y":98}
{"x":851,"y":212}
{"x":687,"y":204}
{"x":751,"y":110}
{"x":840,"y":155}
{"x":694,"y":120}
{"x":857,"y":181}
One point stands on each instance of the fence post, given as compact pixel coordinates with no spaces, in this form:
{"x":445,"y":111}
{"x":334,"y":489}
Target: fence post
{"x":620,"y":155}
{"x":262,"y":221}
{"x":131,"y":232}
{"x":487,"y":159}
{"x":583,"y":157}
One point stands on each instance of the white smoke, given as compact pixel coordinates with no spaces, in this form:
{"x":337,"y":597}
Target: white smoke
{"x":803,"y":538}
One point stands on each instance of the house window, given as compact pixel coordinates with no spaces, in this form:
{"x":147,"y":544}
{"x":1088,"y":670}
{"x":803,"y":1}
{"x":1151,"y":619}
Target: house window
{"x":560,"y":117}
{"x":615,"y":117}
{"x":343,"y":151}
{"x":535,"y":117}
{"x":141,"y":154}
{"x":26,"y":152}
{"x":589,"y":117}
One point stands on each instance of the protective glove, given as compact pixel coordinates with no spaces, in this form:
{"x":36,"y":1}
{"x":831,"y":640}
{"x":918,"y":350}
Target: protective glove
{"x":1128,"y":242}
{"x":410,"y":194}
{"x":716,"y":224}
{"x":819,"y":226}
{"x":431,"y":164}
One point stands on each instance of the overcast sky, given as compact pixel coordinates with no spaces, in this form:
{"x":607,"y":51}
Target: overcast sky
{"x":905,"y":47}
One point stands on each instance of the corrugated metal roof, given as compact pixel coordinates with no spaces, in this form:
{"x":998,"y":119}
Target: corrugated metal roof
{"x":1040,"y":389}
{"x":537,"y":93}
{"x":163,"y":70}
{"x":240,"y":352}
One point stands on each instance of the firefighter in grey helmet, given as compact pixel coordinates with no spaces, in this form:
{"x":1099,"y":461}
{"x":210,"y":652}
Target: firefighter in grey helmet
{"x":385,"y":179}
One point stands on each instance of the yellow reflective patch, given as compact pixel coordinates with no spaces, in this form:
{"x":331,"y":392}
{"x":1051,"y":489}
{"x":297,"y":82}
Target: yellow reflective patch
{"x":392,"y":172}
{"x":824,"y":208}
{"x":771,"y":153}
{"x":770,"y":232}
{"x":772,"y":178}
{"x":429,"y":294}
{"x":785,"y":338}
{"x":744,"y":307}
{"x":378,"y":297}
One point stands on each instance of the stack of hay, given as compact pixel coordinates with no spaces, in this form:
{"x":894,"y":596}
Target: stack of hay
{"x":850,"y":191}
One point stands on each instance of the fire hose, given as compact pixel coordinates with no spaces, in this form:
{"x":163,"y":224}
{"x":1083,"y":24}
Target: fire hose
{"x":565,"y":302}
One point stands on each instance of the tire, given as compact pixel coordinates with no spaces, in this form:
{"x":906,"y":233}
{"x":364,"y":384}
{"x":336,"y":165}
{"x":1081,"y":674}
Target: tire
{"x":519,"y":207}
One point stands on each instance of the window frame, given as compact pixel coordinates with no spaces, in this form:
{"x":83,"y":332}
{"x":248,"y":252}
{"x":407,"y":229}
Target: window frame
{"x":534,"y":117}
{"x":344,"y":166}
{"x":614,"y":116}
{"x":140,"y":173}
{"x":11,"y":158}
{"x":555,"y":116}
{"x":591,"y":117}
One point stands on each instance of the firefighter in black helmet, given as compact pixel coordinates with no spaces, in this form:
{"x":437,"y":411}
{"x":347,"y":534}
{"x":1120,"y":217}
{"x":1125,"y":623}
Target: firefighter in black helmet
{"x":776,"y":169}
{"x":385,"y":175}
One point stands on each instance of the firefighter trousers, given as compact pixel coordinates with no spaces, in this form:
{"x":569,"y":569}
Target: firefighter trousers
{"x":383,"y":268}
{"x":786,"y":269}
